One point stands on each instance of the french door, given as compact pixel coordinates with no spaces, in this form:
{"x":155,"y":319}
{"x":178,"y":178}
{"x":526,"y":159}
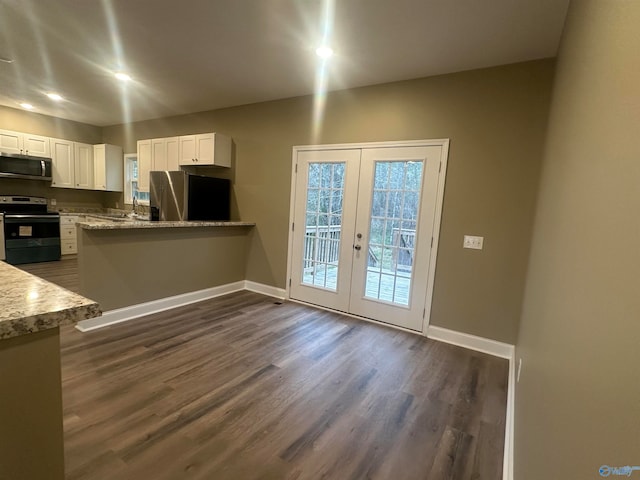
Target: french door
{"x":363,"y":230}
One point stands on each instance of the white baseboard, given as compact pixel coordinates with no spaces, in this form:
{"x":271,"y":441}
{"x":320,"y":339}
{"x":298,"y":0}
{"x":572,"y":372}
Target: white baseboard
{"x":479,"y":344}
{"x":498,"y":349}
{"x":265,"y":289}
{"x":124,"y":314}
{"x":507,"y":464}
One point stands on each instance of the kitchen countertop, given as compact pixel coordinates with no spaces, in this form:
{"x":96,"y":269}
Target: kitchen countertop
{"x":123,"y":224}
{"x":29,"y":304}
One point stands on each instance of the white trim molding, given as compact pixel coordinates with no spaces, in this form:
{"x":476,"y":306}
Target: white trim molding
{"x":124,"y":314}
{"x":507,"y":464}
{"x":479,"y":344}
{"x":267,"y":290}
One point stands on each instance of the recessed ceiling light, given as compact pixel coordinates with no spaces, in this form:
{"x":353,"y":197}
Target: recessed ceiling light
{"x":122,"y":76}
{"x":27,"y":106}
{"x":54,"y":96}
{"x":324,"y":52}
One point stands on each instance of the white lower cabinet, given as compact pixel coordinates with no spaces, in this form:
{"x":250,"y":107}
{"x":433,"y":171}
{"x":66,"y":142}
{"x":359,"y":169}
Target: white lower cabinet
{"x":68,"y":234}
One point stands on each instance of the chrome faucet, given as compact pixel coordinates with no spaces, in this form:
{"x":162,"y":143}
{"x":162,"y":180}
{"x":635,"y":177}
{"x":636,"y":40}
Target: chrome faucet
{"x":135,"y":205}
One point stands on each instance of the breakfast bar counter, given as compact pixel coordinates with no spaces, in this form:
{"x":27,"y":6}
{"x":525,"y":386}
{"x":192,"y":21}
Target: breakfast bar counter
{"x":31,"y":311}
{"x":130,"y":263}
{"x":29,"y":304}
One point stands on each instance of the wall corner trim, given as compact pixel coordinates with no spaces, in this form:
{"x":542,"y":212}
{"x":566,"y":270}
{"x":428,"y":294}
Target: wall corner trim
{"x":498,"y":349}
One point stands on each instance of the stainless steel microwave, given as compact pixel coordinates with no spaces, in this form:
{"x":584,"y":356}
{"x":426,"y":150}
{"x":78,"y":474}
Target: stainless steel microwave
{"x":25,"y":166}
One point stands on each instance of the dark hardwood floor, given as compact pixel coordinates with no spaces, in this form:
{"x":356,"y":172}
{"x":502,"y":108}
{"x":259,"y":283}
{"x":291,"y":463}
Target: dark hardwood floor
{"x":63,"y":272}
{"x":240,"y":387}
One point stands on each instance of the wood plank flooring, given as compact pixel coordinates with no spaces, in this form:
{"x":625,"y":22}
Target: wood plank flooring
{"x":63,"y":272}
{"x":239,"y":387}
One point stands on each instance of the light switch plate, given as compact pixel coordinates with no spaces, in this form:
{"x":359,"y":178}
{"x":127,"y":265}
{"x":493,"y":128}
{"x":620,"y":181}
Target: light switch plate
{"x":473,"y":242}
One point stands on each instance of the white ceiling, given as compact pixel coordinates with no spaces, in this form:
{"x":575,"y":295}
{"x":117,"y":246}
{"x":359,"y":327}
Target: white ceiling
{"x":194,"y":55}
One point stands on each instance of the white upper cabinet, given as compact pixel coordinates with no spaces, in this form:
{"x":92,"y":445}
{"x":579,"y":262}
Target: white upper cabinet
{"x":10,"y":142}
{"x":164,"y":154}
{"x":172,"y":149}
{"x":36,"y":145}
{"x":205,"y":149}
{"x":83,"y":165}
{"x":108,"y":163}
{"x":144,"y":164}
{"x":63,"y":165}
{"x":74,"y":165}
{"x":24,"y":143}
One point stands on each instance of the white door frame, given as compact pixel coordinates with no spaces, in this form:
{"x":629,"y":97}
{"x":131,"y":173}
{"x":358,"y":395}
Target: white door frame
{"x":444,"y":143}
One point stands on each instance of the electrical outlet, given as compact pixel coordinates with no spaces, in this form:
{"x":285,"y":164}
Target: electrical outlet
{"x":53,"y":202}
{"x":519,"y":370}
{"x":473,"y":242}
{"x":117,"y":204}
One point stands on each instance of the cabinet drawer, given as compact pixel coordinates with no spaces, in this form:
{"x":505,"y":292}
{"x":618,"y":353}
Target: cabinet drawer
{"x":67,"y":232}
{"x":68,"y":246}
{"x":68,"y":220}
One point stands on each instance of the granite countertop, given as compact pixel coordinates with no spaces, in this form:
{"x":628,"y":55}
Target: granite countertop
{"x":123,"y":224}
{"x":29,"y":304}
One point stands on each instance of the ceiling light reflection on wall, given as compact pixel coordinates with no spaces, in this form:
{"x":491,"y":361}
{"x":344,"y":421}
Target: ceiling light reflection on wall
{"x":122,"y":76}
{"x":54,"y":96}
{"x":27,"y":106}
{"x":324,"y":52}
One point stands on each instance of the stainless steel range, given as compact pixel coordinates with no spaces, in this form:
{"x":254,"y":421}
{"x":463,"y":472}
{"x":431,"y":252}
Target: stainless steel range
{"x":29,"y":233}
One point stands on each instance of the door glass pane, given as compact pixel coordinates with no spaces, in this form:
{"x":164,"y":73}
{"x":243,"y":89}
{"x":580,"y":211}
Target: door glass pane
{"x":325,"y":192}
{"x":392,"y":230}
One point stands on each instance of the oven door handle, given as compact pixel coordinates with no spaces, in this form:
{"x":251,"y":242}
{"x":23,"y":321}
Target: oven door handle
{"x":27,"y":216}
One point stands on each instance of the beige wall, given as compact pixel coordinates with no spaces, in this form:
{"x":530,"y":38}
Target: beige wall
{"x":30,"y":122}
{"x":119,"y":268}
{"x":577,"y":403}
{"x":495,"y":119}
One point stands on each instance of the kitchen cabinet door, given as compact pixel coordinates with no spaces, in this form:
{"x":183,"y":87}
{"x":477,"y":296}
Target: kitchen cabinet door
{"x":187,"y":150}
{"x":36,"y":145}
{"x":63,"y":164}
{"x":10,"y":142}
{"x":205,"y":149}
{"x":144,"y":164}
{"x":172,"y":149}
{"x":108,"y":162}
{"x":24,"y":143}
{"x":83,"y":165}
{"x":165,"y":154}
{"x":158,"y":154}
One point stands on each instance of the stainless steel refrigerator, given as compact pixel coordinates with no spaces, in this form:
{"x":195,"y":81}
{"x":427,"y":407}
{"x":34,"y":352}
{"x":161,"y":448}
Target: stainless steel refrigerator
{"x":179,"y":196}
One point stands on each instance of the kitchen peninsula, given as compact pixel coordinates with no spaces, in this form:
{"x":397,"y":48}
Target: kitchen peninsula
{"x":31,"y":310}
{"x":132,"y":262}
